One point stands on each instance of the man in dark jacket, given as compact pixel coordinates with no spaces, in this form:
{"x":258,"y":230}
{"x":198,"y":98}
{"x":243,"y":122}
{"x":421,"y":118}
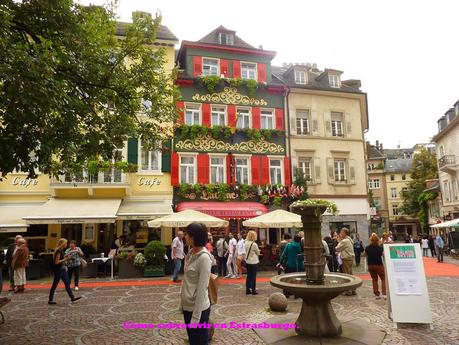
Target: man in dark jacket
{"x":9,"y":260}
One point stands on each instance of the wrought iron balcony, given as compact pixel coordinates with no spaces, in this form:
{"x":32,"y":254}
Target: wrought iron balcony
{"x":447,"y":163}
{"x":84,"y":179}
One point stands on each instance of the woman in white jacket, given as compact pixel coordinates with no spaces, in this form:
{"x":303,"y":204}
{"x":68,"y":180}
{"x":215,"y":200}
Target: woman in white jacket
{"x":252,"y":260}
{"x":194,"y":296}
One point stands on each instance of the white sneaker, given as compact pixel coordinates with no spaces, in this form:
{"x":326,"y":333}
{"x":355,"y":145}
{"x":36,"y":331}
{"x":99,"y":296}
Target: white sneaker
{"x":378,"y":297}
{"x":228,"y":276}
{"x":384,"y":297}
{"x":234,"y":276}
{"x":76,"y":288}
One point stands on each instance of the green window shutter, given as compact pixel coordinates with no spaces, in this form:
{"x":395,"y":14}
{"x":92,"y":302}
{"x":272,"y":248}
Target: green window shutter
{"x":133,"y":149}
{"x":166,"y":156}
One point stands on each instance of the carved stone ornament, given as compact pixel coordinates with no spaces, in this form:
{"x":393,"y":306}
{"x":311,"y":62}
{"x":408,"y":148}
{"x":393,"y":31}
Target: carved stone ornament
{"x":229,"y":95}
{"x":208,"y":144}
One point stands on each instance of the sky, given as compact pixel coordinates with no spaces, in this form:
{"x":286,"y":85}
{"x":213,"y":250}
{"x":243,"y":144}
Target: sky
{"x":404,"y":52}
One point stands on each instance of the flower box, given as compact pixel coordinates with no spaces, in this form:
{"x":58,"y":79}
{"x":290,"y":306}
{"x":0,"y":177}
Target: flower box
{"x":154,"y":271}
{"x":127,"y":269}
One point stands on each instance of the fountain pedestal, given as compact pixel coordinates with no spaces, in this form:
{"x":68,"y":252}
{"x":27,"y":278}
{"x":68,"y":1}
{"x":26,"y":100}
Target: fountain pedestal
{"x":317,"y":317}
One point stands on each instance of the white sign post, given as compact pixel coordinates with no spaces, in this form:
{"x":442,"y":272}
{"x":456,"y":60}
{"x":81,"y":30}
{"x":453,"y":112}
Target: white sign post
{"x":406,"y":280}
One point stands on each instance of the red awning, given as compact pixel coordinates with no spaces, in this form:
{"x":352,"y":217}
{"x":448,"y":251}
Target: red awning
{"x":225,"y":210}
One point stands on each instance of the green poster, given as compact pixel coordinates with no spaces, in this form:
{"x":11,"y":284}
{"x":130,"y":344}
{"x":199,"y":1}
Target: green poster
{"x":402,"y":252}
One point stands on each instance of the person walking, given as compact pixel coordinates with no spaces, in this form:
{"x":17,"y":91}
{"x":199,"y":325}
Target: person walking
{"x":358,"y":249}
{"x":19,"y":264}
{"x":60,"y":272}
{"x":345,"y":248}
{"x":222,"y":247}
{"x":74,"y":263}
{"x":425,"y":246}
{"x":439,"y":247}
{"x":252,"y":260}
{"x":9,"y":260}
{"x":374,"y":255}
{"x":177,"y":255}
{"x":194,"y":295}
{"x":240,"y":250}
{"x":432,"y":246}
{"x":231,"y":257}
{"x":292,"y":255}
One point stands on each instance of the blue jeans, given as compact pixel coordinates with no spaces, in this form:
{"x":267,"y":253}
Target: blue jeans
{"x":177,"y":267}
{"x":60,"y":273}
{"x":197,"y":336}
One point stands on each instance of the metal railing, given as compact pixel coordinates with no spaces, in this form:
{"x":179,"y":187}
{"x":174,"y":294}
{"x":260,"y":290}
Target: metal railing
{"x":447,"y":160}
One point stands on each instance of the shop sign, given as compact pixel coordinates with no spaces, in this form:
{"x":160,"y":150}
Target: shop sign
{"x":214,"y":196}
{"x":143,"y":181}
{"x":24,"y":182}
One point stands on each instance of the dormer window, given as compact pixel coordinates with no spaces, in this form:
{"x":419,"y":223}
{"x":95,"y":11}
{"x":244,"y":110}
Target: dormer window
{"x":226,"y":39}
{"x":300,"y":77}
{"x":334,"y":80}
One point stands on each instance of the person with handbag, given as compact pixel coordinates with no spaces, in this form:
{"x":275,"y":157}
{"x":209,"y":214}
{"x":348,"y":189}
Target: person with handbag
{"x":73,"y":265}
{"x":251,"y":262}
{"x":194,"y":293}
{"x":20,"y":262}
{"x":60,"y":271}
{"x":240,"y":253}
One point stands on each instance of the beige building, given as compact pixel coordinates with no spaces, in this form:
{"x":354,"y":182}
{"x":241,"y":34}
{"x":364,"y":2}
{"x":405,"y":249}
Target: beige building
{"x":377,"y":188}
{"x":397,"y":174}
{"x":326,"y":119}
{"x":94,"y":207}
{"x":447,"y":141}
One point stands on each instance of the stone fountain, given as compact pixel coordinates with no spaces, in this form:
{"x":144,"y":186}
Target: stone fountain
{"x":317,"y":317}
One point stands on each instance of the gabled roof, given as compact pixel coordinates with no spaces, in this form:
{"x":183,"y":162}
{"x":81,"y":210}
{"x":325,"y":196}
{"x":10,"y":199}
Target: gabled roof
{"x":212,"y":38}
{"x":398,"y":165}
{"x":398,"y":153}
{"x":163,"y":32}
{"x":375,"y":153}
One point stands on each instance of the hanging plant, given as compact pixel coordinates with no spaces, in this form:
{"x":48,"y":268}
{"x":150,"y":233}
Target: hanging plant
{"x":210,"y":188}
{"x":122,"y":166}
{"x":210,"y":82}
{"x":222,"y":191}
{"x":184,"y":189}
{"x":236,"y":82}
{"x":267,"y":133}
{"x":216,"y":132}
{"x":197,"y":189}
{"x":252,"y":86}
{"x":93,"y":167}
{"x":227,"y":132}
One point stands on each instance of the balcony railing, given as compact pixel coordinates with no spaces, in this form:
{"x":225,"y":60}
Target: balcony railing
{"x":113,"y":176}
{"x":447,"y":160}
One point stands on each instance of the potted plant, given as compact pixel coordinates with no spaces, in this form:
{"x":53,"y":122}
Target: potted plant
{"x":154,"y":255}
{"x":126,"y":266}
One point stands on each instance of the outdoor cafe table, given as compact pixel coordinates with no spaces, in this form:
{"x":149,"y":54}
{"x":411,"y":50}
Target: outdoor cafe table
{"x":104,"y":260}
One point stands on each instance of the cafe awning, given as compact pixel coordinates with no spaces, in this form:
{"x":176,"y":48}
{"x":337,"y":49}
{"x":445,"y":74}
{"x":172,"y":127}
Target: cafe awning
{"x":143,"y":210}
{"x":225,"y":210}
{"x":75,"y":211}
{"x":185,"y":218}
{"x":275,"y":219}
{"x":11,"y":217}
{"x":449,"y":224}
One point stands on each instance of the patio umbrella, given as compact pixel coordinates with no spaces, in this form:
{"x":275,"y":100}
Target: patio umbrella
{"x":185,"y":218}
{"x":275,"y":219}
{"x":449,"y":224}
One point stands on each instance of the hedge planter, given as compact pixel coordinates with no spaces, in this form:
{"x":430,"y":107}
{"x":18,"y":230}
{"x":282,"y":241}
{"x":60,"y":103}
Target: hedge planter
{"x":128,"y":270}
{"x":90,"y":271}
{"x":154,"y":271}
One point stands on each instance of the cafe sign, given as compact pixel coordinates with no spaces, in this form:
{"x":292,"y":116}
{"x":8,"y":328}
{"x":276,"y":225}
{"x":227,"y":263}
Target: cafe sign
{"x":24,"y":182}
{"x":148,"y":182}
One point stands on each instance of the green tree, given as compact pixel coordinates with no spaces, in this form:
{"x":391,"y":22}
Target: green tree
{"x":71,"y":91}
{"x":415,"y":200}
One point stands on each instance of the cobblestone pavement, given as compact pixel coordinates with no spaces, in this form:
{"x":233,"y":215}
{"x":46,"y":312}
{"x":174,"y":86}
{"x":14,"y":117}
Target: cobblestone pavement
{"x":97,"y":318}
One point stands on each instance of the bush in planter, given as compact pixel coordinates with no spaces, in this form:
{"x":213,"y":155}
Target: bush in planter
{"x":154,"y":255}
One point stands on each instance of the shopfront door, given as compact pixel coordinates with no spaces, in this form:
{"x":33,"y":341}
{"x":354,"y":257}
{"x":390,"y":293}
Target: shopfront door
{"x":72,"y":232}
{"x":106,"y":234}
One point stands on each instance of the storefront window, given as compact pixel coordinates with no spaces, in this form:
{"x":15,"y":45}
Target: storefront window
{"x":351,"y":226}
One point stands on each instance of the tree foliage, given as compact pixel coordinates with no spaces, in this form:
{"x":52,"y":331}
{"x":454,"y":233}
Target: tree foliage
{"x":415,"y":200}
{"x":70,"y":90}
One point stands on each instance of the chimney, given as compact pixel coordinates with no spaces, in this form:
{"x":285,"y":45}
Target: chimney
{"x":260,"y":47}
{"x":377,"y":144}
{"x":380,"y":147}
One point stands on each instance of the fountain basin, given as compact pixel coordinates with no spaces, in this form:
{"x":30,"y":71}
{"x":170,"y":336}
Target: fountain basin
{"x":317,"y":317}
